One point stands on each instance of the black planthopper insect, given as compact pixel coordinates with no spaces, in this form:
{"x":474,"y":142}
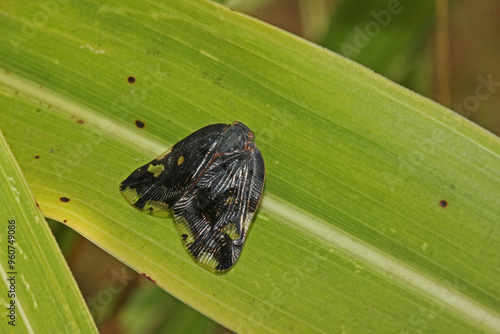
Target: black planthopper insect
{"x":213,"y":181}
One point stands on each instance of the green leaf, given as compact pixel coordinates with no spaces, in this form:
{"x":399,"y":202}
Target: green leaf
{"x":380,"y":210}
{"x":38,"y":291}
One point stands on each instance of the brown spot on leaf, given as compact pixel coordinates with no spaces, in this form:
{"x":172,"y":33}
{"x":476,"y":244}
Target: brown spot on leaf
{"x":131,"y":79}
{"x":80,"y":121}
{"x":443,"y":203}
{"x":37,"y":157}
{"x":139,"y":124}
{"x":64,"y":199}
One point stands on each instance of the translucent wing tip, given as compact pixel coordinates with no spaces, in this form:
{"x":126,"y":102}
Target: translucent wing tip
{"x":136,"y":200}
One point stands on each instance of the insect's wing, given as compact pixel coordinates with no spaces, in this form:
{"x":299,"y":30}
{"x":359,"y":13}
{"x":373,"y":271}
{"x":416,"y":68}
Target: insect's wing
{"x":214,"y":216}
{"x":159,"y":184}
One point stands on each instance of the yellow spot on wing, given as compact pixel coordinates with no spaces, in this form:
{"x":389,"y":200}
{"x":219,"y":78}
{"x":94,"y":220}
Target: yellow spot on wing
{"x":130,"y":195}
{"x":180,"y":160}
{"x":183,"y":228}
{"x":208,"y":260}
{"x":231,"y":230}
{"x":154,"y":206}
{"x":156,"y":169}
{"x":133,"y":196}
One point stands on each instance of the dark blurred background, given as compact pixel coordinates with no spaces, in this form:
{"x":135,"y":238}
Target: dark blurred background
{"x":447,"y":51}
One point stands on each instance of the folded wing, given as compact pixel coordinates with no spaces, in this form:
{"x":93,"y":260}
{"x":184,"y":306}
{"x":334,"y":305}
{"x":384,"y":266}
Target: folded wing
{"x":159,"y":184}
{"x":214,"y":216}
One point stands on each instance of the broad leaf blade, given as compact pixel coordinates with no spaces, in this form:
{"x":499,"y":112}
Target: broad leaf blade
{"x":350,"y":234}
{"x":40,"y":295}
